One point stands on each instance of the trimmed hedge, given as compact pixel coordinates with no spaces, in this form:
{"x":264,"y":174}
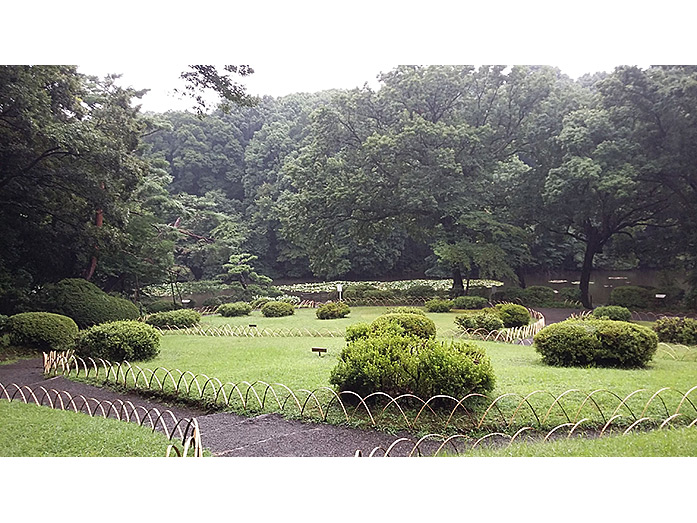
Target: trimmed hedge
{"x":181,"y":318}
{"x":676,"y":330}
{"x":276,"y":309}
{"x":601,"y":343}
{"x":470,"y":302}
{"x":486,"y":319}
{"x":119,"y":341}
{"x":406,"y":310}
{"x":613,"y":312}
{"x":408,"y":324}
{"x":332,"y":310}
{"x":437,"y":305}
{"x":162,"y":306}
{"x":41,"y":331}
{"x":513,"y":315}
{"x":238,"y":308}
{"x":538,"y":295}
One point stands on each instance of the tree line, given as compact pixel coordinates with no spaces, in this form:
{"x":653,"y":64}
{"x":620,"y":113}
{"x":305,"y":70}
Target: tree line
{"x":455,"y":171}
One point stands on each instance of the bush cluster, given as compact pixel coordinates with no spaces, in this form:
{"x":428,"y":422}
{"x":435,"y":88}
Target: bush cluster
{"x":181,"y":319}
{"x":438,"y":305}
{"x":275,"y":309}
{"x":41,"y":331}
{"x":119,"y":340}
{"x":592,"y":342}
{"x":238,"y":308}
{"x":676,"y":330}
{"x":613,"y":312}
{"x":486,"y":319}
{"x":470,"y":302}
{"x":332,"y":310}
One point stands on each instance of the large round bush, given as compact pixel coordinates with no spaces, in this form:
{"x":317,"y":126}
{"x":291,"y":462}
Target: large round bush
{"x":485,"y":319}
{"x":41,"y":331}
{"x":470,"y":302}
{"x":180,"y":319}
{"x":332,"y":310}
{"x":85,"y":303}
{"x":119,"y":341}
{"x":397,"y":365}
{"x":631,"y":296}
{"x":602,"y":343}
{"x":238,"y":308}
{"x":676,"y":330}
{"x":513,"y":315}
{"x":438,"y":305}
{"x":613,"y":312}
{"x":409,"y":324}
{"x":276,"y":309}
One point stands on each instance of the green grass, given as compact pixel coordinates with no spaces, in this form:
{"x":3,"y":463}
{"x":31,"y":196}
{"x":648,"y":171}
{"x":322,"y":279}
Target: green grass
{"x":32,"y":430}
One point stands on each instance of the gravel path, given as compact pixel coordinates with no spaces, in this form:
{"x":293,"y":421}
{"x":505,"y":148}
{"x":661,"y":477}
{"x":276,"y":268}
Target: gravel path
{"x":227,"y":434}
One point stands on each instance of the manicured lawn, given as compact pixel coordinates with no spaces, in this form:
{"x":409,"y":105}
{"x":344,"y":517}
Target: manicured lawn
{"x":32,"y":430}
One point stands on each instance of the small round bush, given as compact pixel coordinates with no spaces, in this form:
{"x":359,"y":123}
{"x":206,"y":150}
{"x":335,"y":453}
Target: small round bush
{"x":470,"y":302}
{"x":119,"y":341}
{"x":41,"y":331}
{"x":437,"y":305}
{"x":411,"y":324}
{"x":162,"y":306}
{"x":538,"y":295}
{"x":613,"y":312}
{"x":513,"y":315}
{"x":485,"y":320}
{"x":181,"y":319}
{"x":276,"y":309}
{"x":406,"y":310}
{"x":238,"y":308}
{"x":631,"y":296}
{"x":676,"y":330}
{"x":602,"y":343}
{"x":332,"y":310}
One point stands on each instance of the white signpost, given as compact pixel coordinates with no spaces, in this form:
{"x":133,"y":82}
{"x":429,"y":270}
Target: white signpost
{"x":339,"y":288}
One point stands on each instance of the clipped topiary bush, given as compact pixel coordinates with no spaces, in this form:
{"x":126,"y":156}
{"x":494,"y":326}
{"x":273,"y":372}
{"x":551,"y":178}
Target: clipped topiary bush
{"x":470,"y":302}
{"x":601,"y":343}
{"x":486,"y":319}
{"x":238,"y":308}
{"x":275,"y":309}
{"x":538,"y":296}
{"x":436,"y":305}
{"x":397,"y":364}
{"x":631,"y":296}
{"x":676,"y":330}
{"x":613,"y":312}
{"x":332,"y":310}
{"x":406,"y":310}
{"x":513,"y":315}
{"x":410,"y":324}
{"x":41,"y":331}
{"x":85,"y":303}
{"x":181,"y":319}
{"x":119,"y":341}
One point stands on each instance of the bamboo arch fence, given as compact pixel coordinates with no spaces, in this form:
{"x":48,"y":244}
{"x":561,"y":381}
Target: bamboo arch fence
{"x":186,"y":431}
{"x":473,"y":412}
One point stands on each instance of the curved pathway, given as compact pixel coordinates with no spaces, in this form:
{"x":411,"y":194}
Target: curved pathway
{"x":228,"y":434}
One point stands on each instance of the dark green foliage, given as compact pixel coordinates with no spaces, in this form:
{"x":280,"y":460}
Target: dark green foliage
{"x":238,"y":308}
{"x":569,"y":294}
{"x":613,"y":312}
{"x":602,"y":343}
{"x":436,"y":305}
{"x":406,"y":310}
{"x":181,"y":318}
{"x":275,"y":309}
{"x":676,"y":330}
{"x":357,"y":290}
{"x":479,"y":292}
{"x":410,"y":324}
{"x":162,"y":306}
{"x":538,"y":296}
{"x":509,"y":294}
{"x":631,"y":296}
{"x":397,"y":364}
{"x":85,"y":303}
{"x":213,"y":301}
{"x":420,"y":291}
{"x":41,"y":331}
{"x":119,"y":341}
{"x":513,"y":315}
{"x":3,"y":323}
{"x":470,"y":302}
{"x":332,"y":310}
{"x":259,"y":302}
{"x":379,"y":294}
{"x":486,"y":319}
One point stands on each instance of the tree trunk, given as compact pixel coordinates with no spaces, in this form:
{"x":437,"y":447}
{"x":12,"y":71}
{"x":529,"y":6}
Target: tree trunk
{"x":591,"y":249}
{"x":458,"y":288}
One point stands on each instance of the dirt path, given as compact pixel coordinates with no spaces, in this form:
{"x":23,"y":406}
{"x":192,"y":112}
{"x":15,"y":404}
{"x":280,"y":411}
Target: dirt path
{"x":227,"y":434}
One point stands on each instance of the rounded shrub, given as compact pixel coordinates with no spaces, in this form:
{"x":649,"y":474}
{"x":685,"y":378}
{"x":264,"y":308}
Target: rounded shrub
{"x":410,"y":324}
{"x":513,"y":315}
{"x":676,"y":330}
{"x":162,"y":306}
{"x":406,"y":310}
{"x":612,"y":312}
{"x":41,"y":331}
{"x":86,"y":303}
{"x":537,"y":296}
{"x":437,"y":305}
{"x":181,"y":319}
{"x":470,"y":302}
{"x":631,"y":296}
{"x":356,"y":331}
{"x":486,"y":320}
{"x":118,"y":341}
{"x":602,"y":343}
{"x":238,"y":308}
{"x":276,"y":309}
{"x":332,"y":310}
{"x":397,"y":364}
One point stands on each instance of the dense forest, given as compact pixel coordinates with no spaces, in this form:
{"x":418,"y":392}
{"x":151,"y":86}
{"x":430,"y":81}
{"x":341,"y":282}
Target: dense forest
{"x":444,"y":171}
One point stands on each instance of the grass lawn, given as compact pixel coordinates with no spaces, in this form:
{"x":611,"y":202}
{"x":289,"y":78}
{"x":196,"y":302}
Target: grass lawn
{"x":32,"y":430}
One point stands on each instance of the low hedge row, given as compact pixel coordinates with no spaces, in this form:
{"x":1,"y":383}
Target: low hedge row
{"x":181,"y":318}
